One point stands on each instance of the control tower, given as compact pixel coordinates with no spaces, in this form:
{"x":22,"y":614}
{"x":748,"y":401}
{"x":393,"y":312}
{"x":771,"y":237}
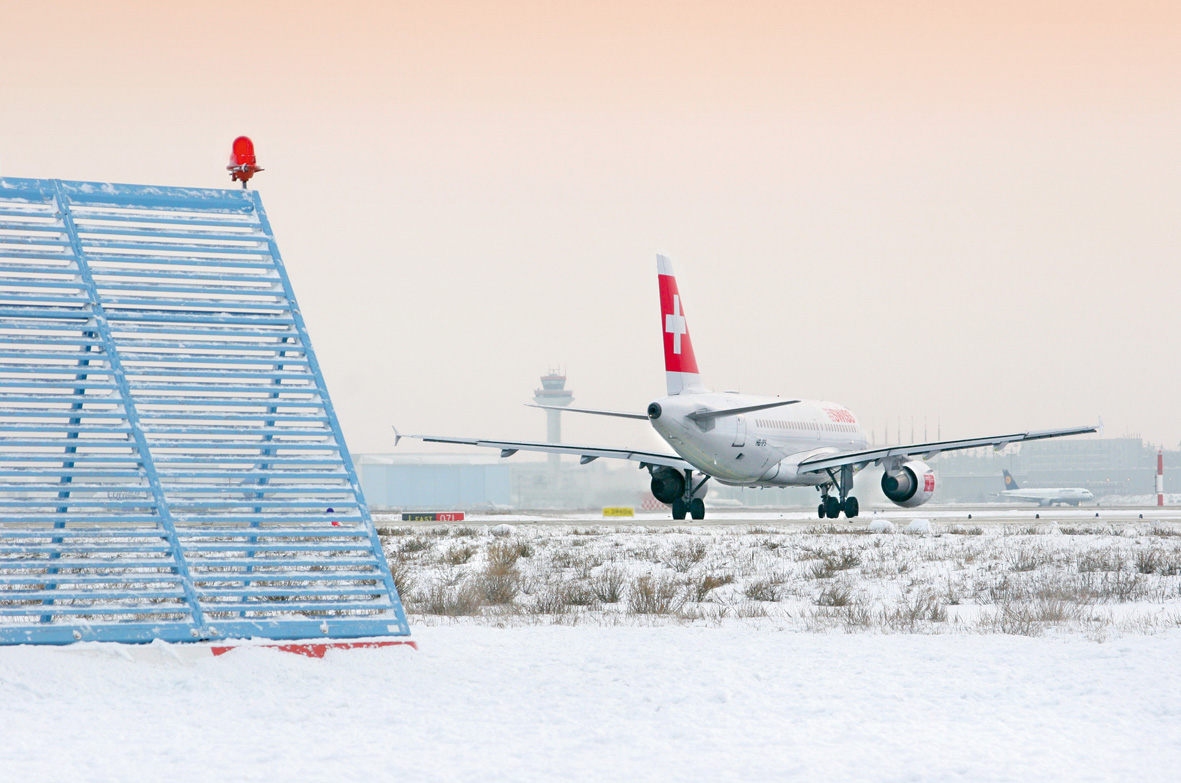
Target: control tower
{"x":553,"y":392}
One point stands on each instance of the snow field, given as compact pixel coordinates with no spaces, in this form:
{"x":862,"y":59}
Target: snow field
{"x":591,"y":703}
{"x":722,"y":653}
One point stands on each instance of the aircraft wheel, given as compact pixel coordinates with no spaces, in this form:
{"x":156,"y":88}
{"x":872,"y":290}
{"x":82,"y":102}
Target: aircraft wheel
{"x":697,"y":508}
{"x":822,"y":511}
{"x":851,"y":507}
{"x":679,"y":509}
{"x":832,"y":507}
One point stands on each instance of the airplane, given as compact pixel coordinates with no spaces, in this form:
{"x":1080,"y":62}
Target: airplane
{"x":753,"y":441}
{"x":1047,"y":496}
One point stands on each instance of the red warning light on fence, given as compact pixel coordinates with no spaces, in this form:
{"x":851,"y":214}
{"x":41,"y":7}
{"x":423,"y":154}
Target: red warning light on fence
{"x":243,"y":163}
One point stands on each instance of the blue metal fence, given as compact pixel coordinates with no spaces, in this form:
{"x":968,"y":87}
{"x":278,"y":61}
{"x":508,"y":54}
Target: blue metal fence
{"x":168,"y":450}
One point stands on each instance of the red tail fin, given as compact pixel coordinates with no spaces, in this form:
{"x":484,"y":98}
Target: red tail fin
{"x":680,"y":364}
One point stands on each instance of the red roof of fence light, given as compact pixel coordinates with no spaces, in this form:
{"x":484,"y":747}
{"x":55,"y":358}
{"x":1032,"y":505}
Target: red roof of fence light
{"x":243,"y":154}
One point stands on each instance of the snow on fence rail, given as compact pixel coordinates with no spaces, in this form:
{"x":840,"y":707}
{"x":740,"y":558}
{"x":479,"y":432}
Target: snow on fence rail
{"x":170,"y":462}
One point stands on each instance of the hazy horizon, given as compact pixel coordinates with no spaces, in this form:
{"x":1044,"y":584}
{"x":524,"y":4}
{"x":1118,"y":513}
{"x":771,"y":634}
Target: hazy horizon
{"x":966,"y":213}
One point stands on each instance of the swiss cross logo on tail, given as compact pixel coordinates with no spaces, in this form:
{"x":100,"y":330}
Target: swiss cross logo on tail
{"x":678,"y":347}
{"x":674,"y":324}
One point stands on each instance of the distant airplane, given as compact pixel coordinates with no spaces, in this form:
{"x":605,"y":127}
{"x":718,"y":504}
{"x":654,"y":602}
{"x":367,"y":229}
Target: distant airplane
{"x":742,"y":440}
{"x":1047,"y":496}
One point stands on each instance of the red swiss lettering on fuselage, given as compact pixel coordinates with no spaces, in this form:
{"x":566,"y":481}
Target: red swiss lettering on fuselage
{"x":841,"y":415}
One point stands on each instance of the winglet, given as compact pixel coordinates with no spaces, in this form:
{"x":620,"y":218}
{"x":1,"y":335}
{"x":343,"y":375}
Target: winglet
{"x":1099,"y":428}
{"x":397,"y":435}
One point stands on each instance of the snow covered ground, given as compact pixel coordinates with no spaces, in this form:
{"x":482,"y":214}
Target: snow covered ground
{"x":604,"y":703}
{"x":910,"y":575}
{"x":783,"y":650}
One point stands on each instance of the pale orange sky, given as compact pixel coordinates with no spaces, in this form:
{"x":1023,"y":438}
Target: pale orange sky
{"x":964,"y":211}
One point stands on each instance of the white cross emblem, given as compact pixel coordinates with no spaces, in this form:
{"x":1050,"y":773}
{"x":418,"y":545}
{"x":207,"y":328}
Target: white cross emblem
{"x":674,"y":324}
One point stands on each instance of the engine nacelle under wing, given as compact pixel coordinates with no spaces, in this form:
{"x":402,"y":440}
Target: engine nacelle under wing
{"x":668,"y":484}
{"x":912,"y":484}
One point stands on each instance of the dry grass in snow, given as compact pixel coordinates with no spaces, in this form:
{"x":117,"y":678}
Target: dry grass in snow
{"x":1027,"y":580}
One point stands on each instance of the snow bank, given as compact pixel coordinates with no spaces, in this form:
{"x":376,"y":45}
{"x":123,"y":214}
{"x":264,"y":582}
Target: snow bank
{"x":881,"y":526}
{"x":919,"y":526}
{"x":503,"y":530}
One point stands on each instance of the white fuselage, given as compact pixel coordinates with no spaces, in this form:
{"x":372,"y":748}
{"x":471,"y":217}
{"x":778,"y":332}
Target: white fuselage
{"x":1048,"y":496}
{"x":760,"y":448}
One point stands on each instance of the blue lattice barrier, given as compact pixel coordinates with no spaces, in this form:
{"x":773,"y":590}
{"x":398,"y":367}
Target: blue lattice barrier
{"x":168,"y":450}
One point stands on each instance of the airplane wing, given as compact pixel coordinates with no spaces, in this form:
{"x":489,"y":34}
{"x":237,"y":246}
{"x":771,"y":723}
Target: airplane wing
{"x":860,"y":459}
{"x":585,"y":453}
{"x":595,"y":411}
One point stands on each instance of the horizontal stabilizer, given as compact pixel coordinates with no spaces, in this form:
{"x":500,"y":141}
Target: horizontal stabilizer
{"x":710,"y":415}
{"x":617,"y":414}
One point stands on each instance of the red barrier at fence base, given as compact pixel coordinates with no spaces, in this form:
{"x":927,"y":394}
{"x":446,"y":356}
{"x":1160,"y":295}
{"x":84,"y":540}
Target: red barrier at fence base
{"x":316,"y":649}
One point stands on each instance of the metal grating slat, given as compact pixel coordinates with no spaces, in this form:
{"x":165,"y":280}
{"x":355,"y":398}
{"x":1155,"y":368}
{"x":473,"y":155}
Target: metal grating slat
{"x":168,"y":449}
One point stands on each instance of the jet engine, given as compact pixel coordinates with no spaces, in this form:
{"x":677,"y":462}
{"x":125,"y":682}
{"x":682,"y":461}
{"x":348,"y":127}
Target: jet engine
{"x":668,"y":484}
{"x":911,"y":484}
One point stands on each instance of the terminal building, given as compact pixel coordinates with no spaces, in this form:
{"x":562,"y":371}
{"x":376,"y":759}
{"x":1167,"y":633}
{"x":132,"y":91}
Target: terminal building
{"x":1110,"y":468}
{"x":486,"y":482}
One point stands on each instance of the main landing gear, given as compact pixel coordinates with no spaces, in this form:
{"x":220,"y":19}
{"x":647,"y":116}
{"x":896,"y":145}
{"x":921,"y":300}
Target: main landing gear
{"x":695,"y":508}
{"x":832,"y":507}
{"x":677,"y":488}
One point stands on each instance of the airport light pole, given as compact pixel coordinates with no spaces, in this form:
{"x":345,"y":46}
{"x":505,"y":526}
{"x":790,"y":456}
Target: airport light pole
{"x":1160,"y":477}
